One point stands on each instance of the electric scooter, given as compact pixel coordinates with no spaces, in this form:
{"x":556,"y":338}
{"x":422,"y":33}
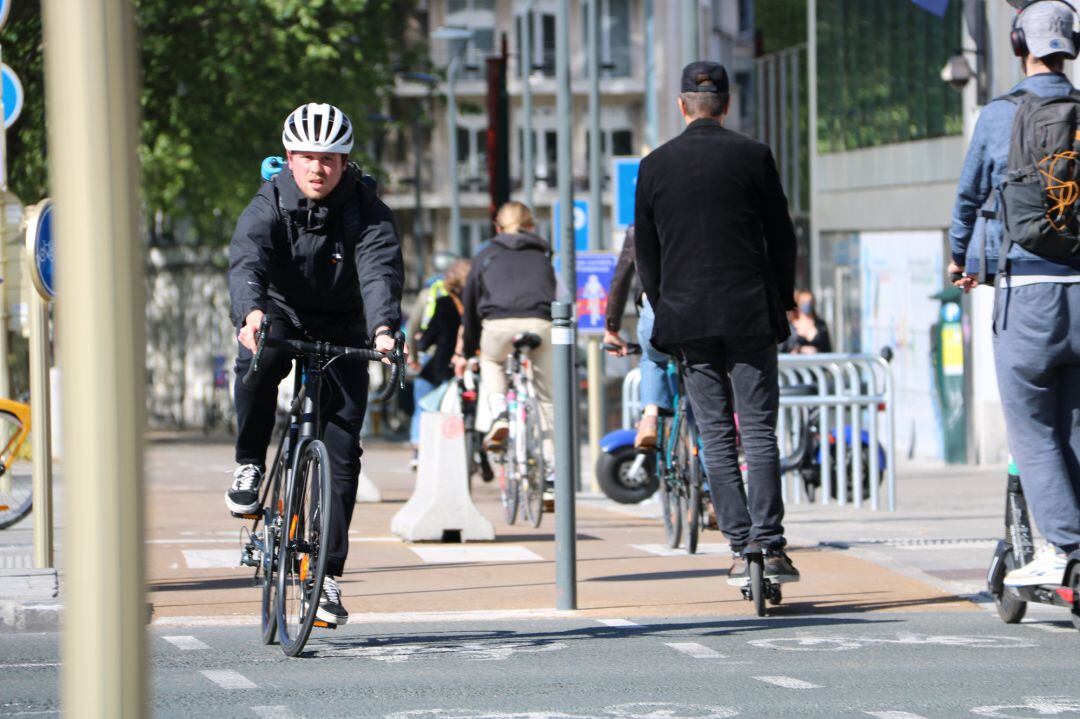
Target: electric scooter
{"x":1016,"y":550}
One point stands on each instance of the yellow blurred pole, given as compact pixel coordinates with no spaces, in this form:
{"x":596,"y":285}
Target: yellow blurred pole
{"x":90,"y":65}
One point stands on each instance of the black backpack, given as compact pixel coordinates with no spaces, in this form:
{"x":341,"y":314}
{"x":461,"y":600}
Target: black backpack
{"x":1038,"y":200}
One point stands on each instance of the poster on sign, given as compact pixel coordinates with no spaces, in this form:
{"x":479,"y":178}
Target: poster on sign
{"x":594,"y":273}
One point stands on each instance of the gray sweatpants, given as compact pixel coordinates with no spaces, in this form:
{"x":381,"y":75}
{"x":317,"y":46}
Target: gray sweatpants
{"x":1037,"y":356}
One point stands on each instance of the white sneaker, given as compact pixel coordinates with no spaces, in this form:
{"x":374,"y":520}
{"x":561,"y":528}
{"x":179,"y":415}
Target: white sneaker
{"x":243,"y":496}
{"x":1048,"y":567}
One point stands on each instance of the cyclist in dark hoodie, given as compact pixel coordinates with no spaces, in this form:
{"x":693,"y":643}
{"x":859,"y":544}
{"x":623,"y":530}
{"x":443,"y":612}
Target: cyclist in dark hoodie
{"x":509,"y":291}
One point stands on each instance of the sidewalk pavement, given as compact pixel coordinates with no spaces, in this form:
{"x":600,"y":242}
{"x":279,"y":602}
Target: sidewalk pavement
{"x":929,"y":555}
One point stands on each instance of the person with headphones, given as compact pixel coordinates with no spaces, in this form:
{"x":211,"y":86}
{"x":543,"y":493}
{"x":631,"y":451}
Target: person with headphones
{"x":1037,"y":300}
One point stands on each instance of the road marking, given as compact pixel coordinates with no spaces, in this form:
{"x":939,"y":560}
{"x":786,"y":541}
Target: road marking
{"x":663,"y":550}
{"x":618,"y":623}
{"x":461,"y":554}
{"x":695,"y":650}
{"x":480,"y":615}
{"x":374,"y":539}
{"x":228,"y":679}
{"x":788,"y":682}
{"x":473,"y":650}
{"x":186,"y":643}
{"x":1045,"y":706}
{"x":1050,"y":628}
{"x":894,"y":715}
{"x":837,"y":644}
{"x":279,"y":711}
{"x":211,"y":558}
{"x":30,"y":665}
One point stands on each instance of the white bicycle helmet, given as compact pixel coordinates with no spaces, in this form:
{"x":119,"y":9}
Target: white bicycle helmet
{"x":317,"y":127}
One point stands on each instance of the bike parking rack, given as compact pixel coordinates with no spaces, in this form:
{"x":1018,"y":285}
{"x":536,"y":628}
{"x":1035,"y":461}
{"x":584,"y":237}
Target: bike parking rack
{"x":853,"y":390}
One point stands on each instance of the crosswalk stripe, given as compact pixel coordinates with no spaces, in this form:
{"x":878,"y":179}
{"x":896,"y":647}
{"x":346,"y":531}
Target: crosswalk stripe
{"x":618,"y":623}
{"x":279,"y":711}
{"x":894,"y":715}
{"x":788,"y":682}
{"x":228,"y":679}
{"x":186,"y":643}
{"x":695,"y":650}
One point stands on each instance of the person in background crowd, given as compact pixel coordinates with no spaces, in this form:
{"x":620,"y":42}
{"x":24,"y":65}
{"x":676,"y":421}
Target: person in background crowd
{"x":811,"y":332}
{"x":441,"y":333}
{"x":510,"y":288}
{"x":656,"y":395}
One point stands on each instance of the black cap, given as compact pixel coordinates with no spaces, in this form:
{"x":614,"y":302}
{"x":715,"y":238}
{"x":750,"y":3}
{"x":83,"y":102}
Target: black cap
{"x":704,"y":76}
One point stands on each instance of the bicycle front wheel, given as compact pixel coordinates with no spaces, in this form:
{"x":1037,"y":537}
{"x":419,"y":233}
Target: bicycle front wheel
{"x":671,"y":504}
{"x":693,"y":518}
{"x":271,"y":538}
{"x":302,"y":555}
{"x":535,"y":470}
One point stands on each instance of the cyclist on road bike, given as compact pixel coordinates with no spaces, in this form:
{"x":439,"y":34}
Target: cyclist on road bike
{"x":510,"y":288}
{"x":317,"y":252}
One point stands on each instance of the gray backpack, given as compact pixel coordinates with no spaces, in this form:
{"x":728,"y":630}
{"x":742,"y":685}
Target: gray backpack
{"x":1038,"y":200}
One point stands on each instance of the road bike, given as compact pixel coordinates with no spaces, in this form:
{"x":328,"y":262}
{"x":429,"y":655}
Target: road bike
{"x":521,"y":462}
{"x":16,"y":494}
{"x":288,"y":541}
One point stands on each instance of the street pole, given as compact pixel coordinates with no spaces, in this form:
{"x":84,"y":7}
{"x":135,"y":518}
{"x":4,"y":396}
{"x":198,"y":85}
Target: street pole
{"x":594,"y":357}
{"x":41,"y":434}
{"x":562,"y":332}
{"x":691,"y":11}
{"x":652,"y":132}
{"x":418,"y":224}
{"x":92,"y":96}
{"x":528,"y":172}
{"x":5,"y":376}
{"x":451,"y":124}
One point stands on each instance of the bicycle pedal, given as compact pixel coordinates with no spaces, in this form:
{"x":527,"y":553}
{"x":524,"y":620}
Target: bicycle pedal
{"x":323,"y":625}
{"x":245,"y":516}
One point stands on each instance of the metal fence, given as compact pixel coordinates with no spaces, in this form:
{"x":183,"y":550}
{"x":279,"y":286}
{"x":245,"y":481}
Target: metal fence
{"x":835,"y":427}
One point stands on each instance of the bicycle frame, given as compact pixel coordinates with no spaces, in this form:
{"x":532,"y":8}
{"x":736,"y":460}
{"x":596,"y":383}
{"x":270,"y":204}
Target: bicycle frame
{"x":520,"y":388}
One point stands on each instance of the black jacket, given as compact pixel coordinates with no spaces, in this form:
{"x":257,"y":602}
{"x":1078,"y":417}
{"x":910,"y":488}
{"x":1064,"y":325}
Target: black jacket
{"x":621,"y":281}
{"x":309,"y":267}
{"x":715,"y":246}
{"x":511,"y":277}
{"x":441,"y":332}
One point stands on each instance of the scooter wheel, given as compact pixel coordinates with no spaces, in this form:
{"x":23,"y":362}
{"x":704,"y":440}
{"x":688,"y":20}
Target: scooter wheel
{"x":776,"y":596}
{"x":757,"y":584}
{"x":1073,"y":582}
{"x":1010,"y":607}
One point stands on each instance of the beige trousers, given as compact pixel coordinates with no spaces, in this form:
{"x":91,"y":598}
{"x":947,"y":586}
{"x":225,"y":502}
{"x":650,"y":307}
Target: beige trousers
{"x":496,"y":342}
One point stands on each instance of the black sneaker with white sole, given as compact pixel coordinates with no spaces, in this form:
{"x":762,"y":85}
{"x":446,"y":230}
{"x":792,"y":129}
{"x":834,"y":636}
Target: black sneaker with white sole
{"x":778,"y":567}
{"x":330,"y":608}
{"x":243,"y":496}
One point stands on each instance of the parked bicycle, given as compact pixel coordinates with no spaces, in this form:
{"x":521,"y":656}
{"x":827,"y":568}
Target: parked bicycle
{"x":16,"y":493}
{"x":521,"y":465}
{"x":288,"y":542}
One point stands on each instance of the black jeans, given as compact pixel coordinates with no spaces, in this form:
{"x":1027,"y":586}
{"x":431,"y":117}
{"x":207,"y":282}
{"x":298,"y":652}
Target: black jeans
{"x":343,"y":403}
{"x":725,"y":376}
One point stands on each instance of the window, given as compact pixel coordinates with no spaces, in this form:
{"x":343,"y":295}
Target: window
{"x":614,"y":32}
{"x":472,"y":158}
{"x":744,"y":84}
{"x":478,"y":16}
{"x":746,"y":16}
{"x":474,"y":233}
{"x":878,"y":76}
{"x":621,"y":143}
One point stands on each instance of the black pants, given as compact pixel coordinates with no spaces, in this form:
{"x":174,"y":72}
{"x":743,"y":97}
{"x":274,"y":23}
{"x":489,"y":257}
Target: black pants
{"x":343,"y":403}
{"x":724,"y":376}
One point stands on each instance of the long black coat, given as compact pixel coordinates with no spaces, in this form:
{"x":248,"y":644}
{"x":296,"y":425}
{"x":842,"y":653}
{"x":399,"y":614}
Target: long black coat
{"x":715,"y":246}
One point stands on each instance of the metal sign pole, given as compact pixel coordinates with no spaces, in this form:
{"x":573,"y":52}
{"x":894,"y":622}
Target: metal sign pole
{"x":563,"y":334}
{"x":5,"y":377}
{"x":92,"y":94}
{"x":40,"y":433}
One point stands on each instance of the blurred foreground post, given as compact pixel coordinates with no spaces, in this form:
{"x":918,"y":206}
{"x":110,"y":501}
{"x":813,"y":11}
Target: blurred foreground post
{"x":90,"y":64}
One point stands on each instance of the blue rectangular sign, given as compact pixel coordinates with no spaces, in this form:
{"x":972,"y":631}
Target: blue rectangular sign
{"x":581,"y":226}
{"x":594,"y":274}
{"x":624,"y":172}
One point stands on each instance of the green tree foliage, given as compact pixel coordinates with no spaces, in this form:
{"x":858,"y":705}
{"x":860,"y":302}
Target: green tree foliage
{"x":781,"y":23}
{"x":218,"y":77}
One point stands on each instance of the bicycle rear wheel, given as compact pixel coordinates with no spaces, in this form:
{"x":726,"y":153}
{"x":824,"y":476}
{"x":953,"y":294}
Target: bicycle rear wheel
{"x":671,"y":504}
{"x":693,"y":518}
{"x":509,"y":488}
{"x":302,"y":555}
{"x":16,"y":495}
{"x":535,"y":469}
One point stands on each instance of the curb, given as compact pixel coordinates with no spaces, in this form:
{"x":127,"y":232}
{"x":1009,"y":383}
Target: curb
{"x":25,"y":617}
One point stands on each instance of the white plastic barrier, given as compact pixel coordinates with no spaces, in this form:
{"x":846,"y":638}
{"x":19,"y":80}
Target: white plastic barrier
{"x":366,"y":491}
{"x":440,"y":508}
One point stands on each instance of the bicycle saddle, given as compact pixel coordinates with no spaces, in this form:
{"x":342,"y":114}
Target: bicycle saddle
{"x":798,"y":390}
{"x":527,"y":340}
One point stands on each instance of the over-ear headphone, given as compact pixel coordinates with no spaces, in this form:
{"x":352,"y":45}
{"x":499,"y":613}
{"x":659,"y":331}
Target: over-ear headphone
{"x":1019,"y":42}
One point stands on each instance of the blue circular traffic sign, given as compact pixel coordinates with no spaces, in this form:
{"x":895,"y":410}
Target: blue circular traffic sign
{"x":5,"y":9}
{"x":39,"y":244}
{"x":13,"y":95}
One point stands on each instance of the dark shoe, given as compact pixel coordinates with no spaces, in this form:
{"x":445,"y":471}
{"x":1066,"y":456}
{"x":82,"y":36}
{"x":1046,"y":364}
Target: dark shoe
{"x":495,"y":439}
{"x":778,"y":567}
{"x":646,"y":433}
{"x":330,"y":609}
{"x":739,"y":574}
{"x":243,"y":496}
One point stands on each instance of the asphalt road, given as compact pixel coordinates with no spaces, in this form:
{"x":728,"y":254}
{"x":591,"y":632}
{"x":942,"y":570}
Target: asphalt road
{"x":890,"y":666}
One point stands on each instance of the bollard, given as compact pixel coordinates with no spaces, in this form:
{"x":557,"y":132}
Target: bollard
{"x":562,"y":340}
